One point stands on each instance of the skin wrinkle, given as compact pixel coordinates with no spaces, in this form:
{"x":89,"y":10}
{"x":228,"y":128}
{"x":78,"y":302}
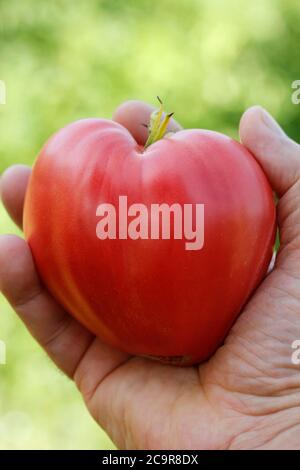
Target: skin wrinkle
{"x":99,"y":390}
{"x":260,"y":331}
{"x":274,"y":437}
{"x":182,"y":396}
{"x":271,"y":318}
{"x":72,"y":374}
{"x":154,"y":430}
{"x":53,"y":341}
{"x":268,"y":336}
{"x":236,"y":335}
{"x":283,"y":292}
{"x":268,"y":316}
{"x":244,"y":343}
{"x":61,"y":328}
{"x":284,"y":383}
{"x":101,"y":381}
{"x":288,"y":200}
{"x":291,"y":309}
{"x":66,"y":323}
{"x":203,"y":385}
{"x":291,"y":248}
{"x":268,"y":406}
{"x":288,"y":223}
{"x":245,"y":400}
{"x":286,"y":263}
{"x":263,"y":427}
{"x":257,"y":378}
{"x":250,"y":405}
{"x":178,"y":396}
{"x":248,"y":429}
{"x":77,"y":376}
{"x":248,"y":426}
{"x":150,"y":430}
{"x":264,"y":397}
{"x":105,"y":419}
{"x":25,"y":301}
{"x":231,"y":409}
{"x":289,"y":274}
{"x":235,"y":396}
{"x":246,"y":361}
{"x":126,"y":420}
{"x":275,"y":350}
{"x":90,"y":394}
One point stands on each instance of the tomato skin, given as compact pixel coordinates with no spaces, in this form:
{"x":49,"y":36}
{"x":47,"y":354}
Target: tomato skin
{"x":150,"y":297}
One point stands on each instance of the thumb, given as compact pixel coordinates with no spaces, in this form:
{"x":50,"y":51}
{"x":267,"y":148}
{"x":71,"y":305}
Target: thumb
{"x":278,"y":155}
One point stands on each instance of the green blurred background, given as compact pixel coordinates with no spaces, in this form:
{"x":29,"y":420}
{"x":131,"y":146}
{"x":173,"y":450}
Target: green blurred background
{"x":64,"y":60}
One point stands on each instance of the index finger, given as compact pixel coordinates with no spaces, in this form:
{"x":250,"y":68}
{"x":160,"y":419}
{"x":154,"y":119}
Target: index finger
{"x":13,"y":186}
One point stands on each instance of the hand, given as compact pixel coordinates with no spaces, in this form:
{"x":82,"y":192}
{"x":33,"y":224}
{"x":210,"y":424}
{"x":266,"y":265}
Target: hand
{"x":246,"y":396}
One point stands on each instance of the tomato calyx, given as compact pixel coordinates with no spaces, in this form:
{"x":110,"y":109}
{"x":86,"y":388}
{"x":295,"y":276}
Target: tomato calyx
{"x":158,"y":124}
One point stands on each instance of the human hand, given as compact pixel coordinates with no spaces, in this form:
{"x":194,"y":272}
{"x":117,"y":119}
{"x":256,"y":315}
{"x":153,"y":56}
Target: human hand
{"x":246,"y":396}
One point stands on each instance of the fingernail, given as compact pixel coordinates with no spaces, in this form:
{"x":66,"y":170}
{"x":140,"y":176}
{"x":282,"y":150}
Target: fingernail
{"x":270,"y":122}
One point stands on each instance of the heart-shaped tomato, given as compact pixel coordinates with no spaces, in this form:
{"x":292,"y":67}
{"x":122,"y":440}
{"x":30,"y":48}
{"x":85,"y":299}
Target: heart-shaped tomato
{"x":149,"y":296}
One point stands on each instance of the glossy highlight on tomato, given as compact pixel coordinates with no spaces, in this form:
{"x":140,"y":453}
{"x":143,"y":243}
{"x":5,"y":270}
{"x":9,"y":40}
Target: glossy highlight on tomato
{"x":150,"y":297}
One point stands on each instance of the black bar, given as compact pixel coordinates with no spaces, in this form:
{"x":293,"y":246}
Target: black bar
{"x":137,"y":459}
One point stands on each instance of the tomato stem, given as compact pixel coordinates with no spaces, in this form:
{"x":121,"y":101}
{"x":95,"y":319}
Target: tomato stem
{"x":158,"y":124}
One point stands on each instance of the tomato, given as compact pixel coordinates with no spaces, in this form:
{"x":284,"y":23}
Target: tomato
{"x":149,"y":296}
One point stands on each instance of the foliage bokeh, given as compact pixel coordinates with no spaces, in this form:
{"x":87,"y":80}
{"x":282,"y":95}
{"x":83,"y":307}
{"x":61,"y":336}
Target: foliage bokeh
{"x":63,"y":60}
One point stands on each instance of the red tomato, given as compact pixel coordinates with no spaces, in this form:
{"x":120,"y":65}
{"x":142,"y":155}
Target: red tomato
{"x":144,"y":296}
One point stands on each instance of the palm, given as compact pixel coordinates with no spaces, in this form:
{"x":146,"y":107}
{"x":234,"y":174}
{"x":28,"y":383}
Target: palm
{"x":243,"y":397}
{"x":217,"y":405}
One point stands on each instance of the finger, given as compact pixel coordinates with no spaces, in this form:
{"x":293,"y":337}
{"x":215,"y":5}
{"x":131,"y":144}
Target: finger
{"x":278,"y":155}
{"x":13,"y":186}
{"x":63,"y":338}
{"x":134,"y":114}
